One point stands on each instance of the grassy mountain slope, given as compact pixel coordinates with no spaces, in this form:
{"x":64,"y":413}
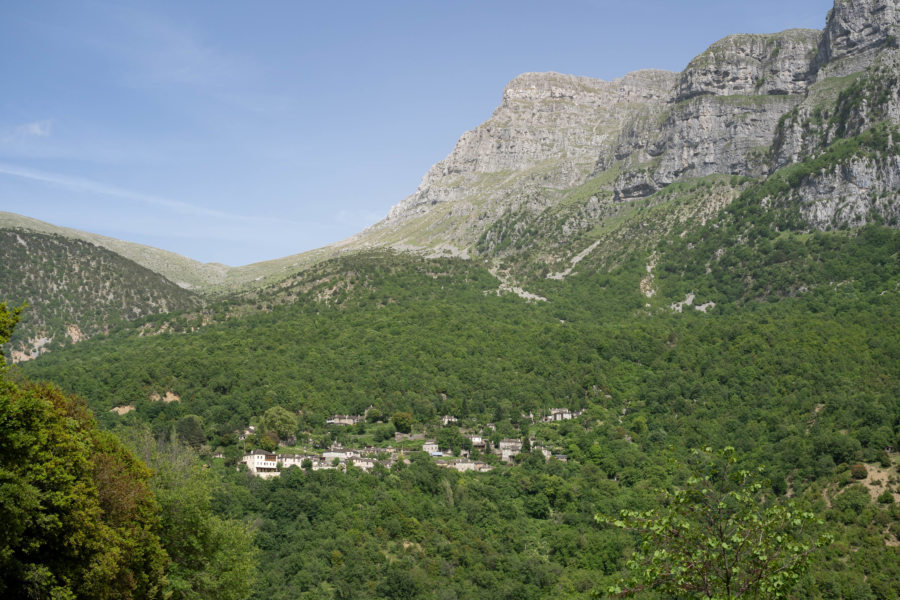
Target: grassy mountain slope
{"x":202,"y":278}
{"x":176,"y":268}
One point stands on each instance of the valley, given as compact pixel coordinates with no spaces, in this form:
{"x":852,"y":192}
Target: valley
{"x":602,"y":284}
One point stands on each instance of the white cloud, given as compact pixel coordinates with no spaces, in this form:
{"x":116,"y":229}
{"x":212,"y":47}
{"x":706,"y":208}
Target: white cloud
{"x":28,"y":130}
{"x":94,"y":187}
{"x":35,"y":128}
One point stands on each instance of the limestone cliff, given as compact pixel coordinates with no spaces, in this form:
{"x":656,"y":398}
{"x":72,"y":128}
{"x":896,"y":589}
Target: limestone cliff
{"x":751,"y":65}
{"x":855,"y":33}
{"x":746,"y":106}
{"x":548,"y":123}
{"x":852,"y":193}
{"x":723,"y":113}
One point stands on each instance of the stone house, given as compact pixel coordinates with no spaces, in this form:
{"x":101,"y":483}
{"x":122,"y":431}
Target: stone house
{"x":344,"y":420}
{"x":558,"y":414}
{"x":477,"y":441}
{"x":366,"y":464}
{"x":466,"y":465}
{"x":509,"y":447}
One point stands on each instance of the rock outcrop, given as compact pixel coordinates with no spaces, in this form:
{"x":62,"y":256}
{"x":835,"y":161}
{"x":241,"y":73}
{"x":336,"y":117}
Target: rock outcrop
{"x":855,"y":32}
{"x":723,"y":113}
{"x":852,"y":193}
{"x":751,"y":65}
{"x":840,"y":107}
{"x":556,"y":124}
{"x":748,"y":105}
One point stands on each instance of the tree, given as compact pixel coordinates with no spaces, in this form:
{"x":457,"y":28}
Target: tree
{"x":191,"y":430}
{"x":77,"y":517}
{"x":403,"y":421}
{"x":717,"y":537}
{"x":8,"y":320}
{"x":280,"y":421}
{"x":211,"y":557}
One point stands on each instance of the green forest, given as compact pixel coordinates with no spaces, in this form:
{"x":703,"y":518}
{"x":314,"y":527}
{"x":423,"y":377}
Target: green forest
{"x":796,"y":368}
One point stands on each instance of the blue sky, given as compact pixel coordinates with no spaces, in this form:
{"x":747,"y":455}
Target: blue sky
{"x":235,"y":131}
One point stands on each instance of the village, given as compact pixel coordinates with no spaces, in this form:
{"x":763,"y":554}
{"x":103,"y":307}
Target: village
{"x":477,"y":454}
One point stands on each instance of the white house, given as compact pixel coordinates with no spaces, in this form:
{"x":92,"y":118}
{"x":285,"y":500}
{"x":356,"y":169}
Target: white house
{"x":366,"y":464}
{"x":262,"y":463}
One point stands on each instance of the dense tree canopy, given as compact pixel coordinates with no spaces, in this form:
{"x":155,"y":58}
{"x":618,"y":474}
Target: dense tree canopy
{"x":718,"y":537}
{"x":212,"y":557}
{"x":77,"y":516}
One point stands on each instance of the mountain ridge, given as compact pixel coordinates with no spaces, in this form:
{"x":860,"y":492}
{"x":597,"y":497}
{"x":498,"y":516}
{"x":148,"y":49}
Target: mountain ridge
{"x":572,"y":173}
{"x":722,"y":114}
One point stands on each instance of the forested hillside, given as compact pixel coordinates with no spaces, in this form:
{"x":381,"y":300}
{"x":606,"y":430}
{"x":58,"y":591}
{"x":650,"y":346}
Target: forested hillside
{"x":796,"y":366}
{"x":76,"y":290}
{"x":83,"y":517}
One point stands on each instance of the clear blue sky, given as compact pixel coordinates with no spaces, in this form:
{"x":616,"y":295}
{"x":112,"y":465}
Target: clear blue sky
{"x":236,"y":131}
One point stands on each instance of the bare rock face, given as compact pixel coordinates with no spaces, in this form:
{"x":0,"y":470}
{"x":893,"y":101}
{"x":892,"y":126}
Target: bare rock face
{"x":840,"y":107}
{"x":852,"y":193}
{"x":855,"y":32}
{"x":723,"y":114}
{"x":748,"y":105}
{"x":554,"y":125}
{"x":545,"y":114}
{"x":751,"y":65}
{"x":709,"y":135}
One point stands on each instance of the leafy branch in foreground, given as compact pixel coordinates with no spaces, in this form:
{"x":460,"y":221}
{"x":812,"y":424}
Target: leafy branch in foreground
{"x":717,"y":537}
{"x":8,"y":320}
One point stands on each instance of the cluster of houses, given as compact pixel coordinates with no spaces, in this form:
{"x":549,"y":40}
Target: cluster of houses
{"x":561,"y":414}
{"x":345,"y":420}
{"x":554,"y":415}
{"x":270,"y":464}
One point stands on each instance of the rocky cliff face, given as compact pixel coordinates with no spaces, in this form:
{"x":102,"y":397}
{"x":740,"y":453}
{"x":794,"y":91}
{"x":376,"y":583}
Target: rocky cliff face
{"x":703,"y":136}
{"x":551,"y":123}
{"x":723,"y":113}
{"x":856,"y":75}
{"x":855,"y":32}
{"x":748,"y":105}
{"x":839,"y":107}
{"x":751,"y":65}
{"x":852,"y":193}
